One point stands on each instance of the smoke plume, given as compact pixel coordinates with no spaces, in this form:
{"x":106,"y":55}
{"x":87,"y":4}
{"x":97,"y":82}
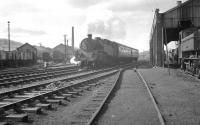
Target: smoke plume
{"x":113,"y":28}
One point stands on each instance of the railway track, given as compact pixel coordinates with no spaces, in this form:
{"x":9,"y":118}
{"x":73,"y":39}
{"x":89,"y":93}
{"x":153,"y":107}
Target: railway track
{"x":88,"y":114}
{"x":69,"y":76}
{"x":160,"y":117}
{"x":17,"y":70}
{"x":14,"y":103}
{"x":22,"y":71}
{"x":35,"y":76}
{"x":25,"y":78}
{"x":37,"y":85}
{"x":90,"y":111}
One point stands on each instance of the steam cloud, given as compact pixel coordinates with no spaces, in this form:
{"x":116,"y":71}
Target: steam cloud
{"x":113,"y":28}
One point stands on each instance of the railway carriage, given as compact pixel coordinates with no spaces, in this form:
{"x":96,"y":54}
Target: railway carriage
{"x":104,"y":52}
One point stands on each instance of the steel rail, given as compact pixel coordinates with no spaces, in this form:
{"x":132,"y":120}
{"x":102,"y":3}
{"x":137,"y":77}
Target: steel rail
{"x":37,"y":77}
{"x":43,"y":83}
{"x":33,"y":74}
{"x":23,"y":72}
{"x":95,"y":114}
{"x":86,"y":80}
{"x":161,"y":119}
{"x":104,"y":100}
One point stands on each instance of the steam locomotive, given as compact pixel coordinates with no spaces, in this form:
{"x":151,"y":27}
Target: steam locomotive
{"x":101,"y":52}
{"x":187,"y":53}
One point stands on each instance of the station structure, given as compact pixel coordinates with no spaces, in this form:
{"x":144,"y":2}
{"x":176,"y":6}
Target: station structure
{"x":166,"y":27}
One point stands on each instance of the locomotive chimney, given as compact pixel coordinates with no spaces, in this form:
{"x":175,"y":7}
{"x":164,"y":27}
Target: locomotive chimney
{"x":90,"y":36}
{"x":98,"y":38}
{"x":178,"y":3}
{"x":157,"y":10}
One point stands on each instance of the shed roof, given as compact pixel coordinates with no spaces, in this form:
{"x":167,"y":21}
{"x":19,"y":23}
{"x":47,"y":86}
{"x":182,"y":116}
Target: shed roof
{"x":179,"y":6}
{"x":27,"y":44}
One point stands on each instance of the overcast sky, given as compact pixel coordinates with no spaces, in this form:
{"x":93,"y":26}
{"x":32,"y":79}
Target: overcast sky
{"x":46,"y":21}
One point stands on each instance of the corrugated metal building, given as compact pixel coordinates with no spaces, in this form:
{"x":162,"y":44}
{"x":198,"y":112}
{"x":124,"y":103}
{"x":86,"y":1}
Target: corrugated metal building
{"x":166,"y":27}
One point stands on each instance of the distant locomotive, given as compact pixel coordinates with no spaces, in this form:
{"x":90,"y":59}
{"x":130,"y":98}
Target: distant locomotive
{"x":189,"y":50}
{"x":187,"y":53}
{"x":104,"y":52}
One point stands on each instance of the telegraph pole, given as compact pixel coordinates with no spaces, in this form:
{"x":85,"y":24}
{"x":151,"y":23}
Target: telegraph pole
{"x":9,"y":36}
{"x":65,"y":47}
{"x":67,"y":54}
{"x":73,"y":39}
{"x":68,"y":49}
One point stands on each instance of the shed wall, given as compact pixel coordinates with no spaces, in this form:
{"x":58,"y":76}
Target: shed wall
{"x":189,"y":11}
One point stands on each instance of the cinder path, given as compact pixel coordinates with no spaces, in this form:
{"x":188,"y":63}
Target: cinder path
{"x":131,"y":104}
{"x":177,"y":94}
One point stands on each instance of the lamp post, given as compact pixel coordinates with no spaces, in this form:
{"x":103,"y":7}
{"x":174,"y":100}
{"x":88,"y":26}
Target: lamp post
{"x":9,"y":36}
{"x":67,"y":50}
{"x":73,"y":39}
{"x":65,"y":46}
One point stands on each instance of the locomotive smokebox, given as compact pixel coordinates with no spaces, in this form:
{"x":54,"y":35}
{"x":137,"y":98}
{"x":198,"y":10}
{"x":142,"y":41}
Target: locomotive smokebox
{"x":90,"y":36}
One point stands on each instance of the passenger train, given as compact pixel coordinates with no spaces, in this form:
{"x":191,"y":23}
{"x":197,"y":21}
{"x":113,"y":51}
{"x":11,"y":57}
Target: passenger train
{"x":100,"y":52}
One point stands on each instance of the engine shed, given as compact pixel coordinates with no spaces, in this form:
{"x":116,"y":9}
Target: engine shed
{"x":29,"y":53}
{"x":166,"y":27}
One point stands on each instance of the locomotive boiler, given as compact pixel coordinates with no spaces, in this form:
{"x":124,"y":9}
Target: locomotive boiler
{"x":100,"y":51}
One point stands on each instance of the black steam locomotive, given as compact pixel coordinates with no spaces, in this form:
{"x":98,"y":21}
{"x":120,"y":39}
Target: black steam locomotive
{"x":100,"y":52}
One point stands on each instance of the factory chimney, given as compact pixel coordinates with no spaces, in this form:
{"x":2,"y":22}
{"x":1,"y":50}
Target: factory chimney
{"x":72,"y":38}
{"x":90,"y":36}
{"x":178,"y":3}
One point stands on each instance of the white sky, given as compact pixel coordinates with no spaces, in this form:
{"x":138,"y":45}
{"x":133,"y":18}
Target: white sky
{"x":46,"y":21}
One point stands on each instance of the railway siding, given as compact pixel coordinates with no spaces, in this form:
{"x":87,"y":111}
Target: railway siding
{"x":177,"y":95}
{"x":64,"y":115}
{"x":130,"y":104}
{"x":16,"y":99}
{"x":93,"y":107}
